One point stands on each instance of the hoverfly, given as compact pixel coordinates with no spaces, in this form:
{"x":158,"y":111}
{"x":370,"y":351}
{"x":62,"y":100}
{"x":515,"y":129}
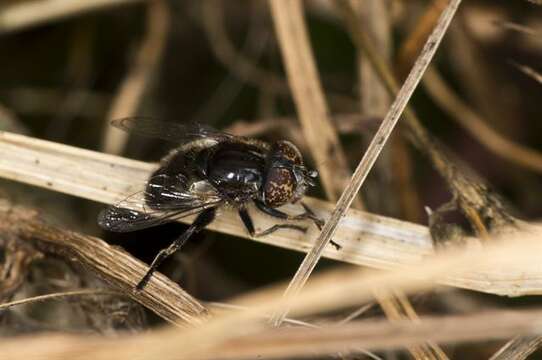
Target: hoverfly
{"x":208,"y":170}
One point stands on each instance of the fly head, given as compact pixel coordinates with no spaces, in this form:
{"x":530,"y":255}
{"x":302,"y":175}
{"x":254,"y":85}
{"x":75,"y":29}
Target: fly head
{"x":286,"y":178}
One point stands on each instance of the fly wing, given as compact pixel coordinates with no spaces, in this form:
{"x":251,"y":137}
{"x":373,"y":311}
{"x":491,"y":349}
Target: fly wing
{"x":170,"y":131}
{"x":162,"y":203}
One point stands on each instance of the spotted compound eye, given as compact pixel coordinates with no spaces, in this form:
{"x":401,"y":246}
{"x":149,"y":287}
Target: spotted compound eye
{"x":280,"y":183}
{"x":286,"y":150}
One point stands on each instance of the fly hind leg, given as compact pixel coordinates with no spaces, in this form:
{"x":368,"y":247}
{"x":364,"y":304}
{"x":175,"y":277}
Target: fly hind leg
{"x":202,"y":220}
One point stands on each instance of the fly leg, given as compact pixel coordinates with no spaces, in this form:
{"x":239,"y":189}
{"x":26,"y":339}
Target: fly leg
{"x":202,"y":220}
{"x":249,"y":225}
{"x":308,"y":214}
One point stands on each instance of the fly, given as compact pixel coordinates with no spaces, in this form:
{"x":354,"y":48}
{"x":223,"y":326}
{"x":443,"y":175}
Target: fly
{"x":208,"y":170}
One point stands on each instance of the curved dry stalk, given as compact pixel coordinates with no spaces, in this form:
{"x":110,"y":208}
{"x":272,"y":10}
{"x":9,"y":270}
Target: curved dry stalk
{"x":137,"y":80}
{"x":458,"y":109}
{"x":478,"y":127}
{"x":212,"y":20}
{"x":369,"y":158}
{"x":25,"y":14}
{"x":110,"y":263}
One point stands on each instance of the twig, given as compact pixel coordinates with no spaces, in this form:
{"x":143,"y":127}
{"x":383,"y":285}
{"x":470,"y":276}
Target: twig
{"x":23,"y":15}
{"x":140,"y":74}
{"x":375,"y":100}
{"x":57,"y":296}
{"x":308,"y":96}
{"x":110,"y":263}
{"x":369,"y":157}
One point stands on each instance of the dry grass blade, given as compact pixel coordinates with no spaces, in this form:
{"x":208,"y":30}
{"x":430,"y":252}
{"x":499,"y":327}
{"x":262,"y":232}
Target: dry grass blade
{"x":110,"y":263}
{"x":375,"y":100}
{"x":140,"y":74}
{"x":377,"y":335}
{"x":370,"y":156}
{"x":327,"y":291}
{"x":387,"y":243}
{"x":308,"y":96}
{"x":298,"y":342}
{"x":24,"y":14}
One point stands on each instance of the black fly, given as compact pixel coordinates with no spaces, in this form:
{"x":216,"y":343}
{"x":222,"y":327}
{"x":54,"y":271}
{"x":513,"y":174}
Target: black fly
{"x":208,"y":170}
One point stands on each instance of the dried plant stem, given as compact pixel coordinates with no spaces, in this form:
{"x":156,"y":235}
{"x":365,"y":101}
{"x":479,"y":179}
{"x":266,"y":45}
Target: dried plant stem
{"x":367,"y":239}
{"x":308,"y":96}
{"x":370,"y":156}
{"x":375,"y":100}
{"x":57,"y":296}
{"x":112,"y":264}
{"x":137,"y":80}
{"x":24,"y":14}
{"x":470,"y":193}
{"x":284,"y":342}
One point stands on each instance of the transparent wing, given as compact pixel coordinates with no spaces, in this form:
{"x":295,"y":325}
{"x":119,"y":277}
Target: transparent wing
{"x":170,"y":131}
{"x":165,"y":200}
